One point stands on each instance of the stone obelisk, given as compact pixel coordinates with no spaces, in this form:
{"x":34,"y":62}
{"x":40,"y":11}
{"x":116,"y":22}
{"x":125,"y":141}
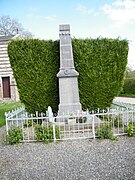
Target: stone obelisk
{"x":68,"y":76}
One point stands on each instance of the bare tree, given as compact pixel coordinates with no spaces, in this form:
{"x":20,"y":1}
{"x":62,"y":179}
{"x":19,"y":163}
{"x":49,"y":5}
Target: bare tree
{"x":10,"y":26}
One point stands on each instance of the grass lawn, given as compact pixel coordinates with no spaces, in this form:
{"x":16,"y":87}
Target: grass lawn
{"x":127,"y":95}
{"x":5,"y":107}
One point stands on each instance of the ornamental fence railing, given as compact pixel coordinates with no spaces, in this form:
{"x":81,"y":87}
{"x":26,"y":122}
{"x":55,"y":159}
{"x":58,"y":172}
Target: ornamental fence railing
{"x":44,"y":126}
{"x":124,"y":105}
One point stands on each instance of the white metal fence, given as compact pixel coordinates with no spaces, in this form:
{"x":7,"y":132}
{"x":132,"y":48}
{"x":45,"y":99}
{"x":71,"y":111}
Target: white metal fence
{"x":68,"y":127}
{"x":124,"y":105}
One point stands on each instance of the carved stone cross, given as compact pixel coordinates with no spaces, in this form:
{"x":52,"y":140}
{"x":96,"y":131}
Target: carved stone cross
{"x":68,"y":76}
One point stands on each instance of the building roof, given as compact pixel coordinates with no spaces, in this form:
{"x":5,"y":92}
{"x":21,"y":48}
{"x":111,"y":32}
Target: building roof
{"x":6,"y":38}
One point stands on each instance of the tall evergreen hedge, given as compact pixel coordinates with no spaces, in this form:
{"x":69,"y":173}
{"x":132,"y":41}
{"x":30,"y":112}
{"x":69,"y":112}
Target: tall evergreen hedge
{"x":35,"y":64}
{"x":101,"y":65}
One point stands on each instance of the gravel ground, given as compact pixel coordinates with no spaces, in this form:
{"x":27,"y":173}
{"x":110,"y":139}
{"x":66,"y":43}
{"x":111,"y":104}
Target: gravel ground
{"x":69,"y":160}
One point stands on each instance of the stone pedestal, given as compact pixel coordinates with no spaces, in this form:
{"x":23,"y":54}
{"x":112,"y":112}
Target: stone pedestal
{"x":68,"y":76}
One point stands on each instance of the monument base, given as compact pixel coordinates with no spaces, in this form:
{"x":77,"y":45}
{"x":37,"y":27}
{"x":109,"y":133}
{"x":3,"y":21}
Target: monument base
{"x":65,"y":109}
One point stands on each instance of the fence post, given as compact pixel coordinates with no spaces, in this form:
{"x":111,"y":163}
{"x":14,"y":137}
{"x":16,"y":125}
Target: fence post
{"x":6,"y":114}
{"x":93,"y":126}
{"x":16,"y":118}
{"x":54,"y":134}
{"x":51,"y":120}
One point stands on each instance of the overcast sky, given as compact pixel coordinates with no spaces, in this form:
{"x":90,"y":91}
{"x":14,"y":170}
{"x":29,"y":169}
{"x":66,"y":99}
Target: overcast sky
{"x":87,"y":18}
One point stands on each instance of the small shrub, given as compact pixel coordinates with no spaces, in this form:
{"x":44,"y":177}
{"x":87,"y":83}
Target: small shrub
{"x":106,"y":117}
{"x":14,"y":135}
{"x":118,"y":122}
{"x":130,"y":130}
{"x":105,"y":132}
{"x":27,"y":124}
{"x":45,"y":134}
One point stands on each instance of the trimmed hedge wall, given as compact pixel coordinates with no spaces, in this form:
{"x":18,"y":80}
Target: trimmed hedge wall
{"x":35,"y":64}
{"x":101,"y":64}
{"x":129,"y":86}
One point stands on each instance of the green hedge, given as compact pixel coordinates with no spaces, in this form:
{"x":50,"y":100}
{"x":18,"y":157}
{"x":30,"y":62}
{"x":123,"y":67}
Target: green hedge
{"x":129,"y":86}
{"x":35,"y":64}
{"x":101,"y":64}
